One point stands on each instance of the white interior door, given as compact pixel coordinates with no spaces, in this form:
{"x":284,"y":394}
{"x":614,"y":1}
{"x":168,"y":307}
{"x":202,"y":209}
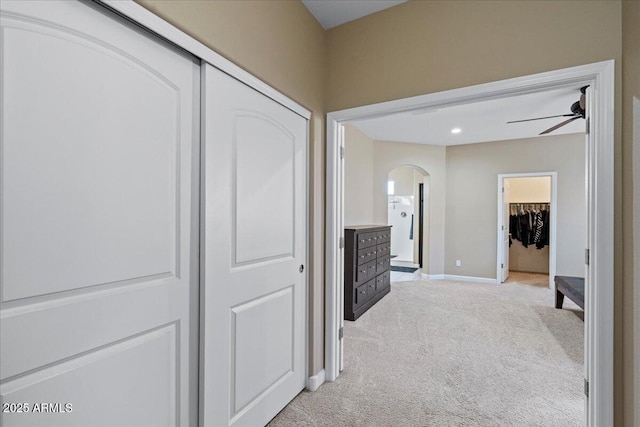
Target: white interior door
{"x":505,"y":229}
{"x":400,"y":217}
{"x":98,"y":293}
{"x":254,"y":250}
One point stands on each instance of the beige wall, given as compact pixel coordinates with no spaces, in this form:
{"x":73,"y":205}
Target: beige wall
{"x":280,"y":42}
{"x":390,"y":155}
{"x":358,"y":177}
{"x":534,"y":189}
{"x":403,"y":180}
{"x":472,"y":197}
{"x":424,"y":46}
{"x":464,"y":169}
{"x":529,"y":260}
{"x":359,"y":182}
{"x":628,"y":329}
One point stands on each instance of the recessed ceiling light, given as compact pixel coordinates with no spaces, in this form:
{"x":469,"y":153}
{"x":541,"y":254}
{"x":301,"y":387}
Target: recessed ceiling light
{"x":456,"y":130}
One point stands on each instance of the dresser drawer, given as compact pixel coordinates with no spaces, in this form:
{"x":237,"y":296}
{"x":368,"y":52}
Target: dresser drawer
{"x":362,"y":273}
{"x":383,"y":263}
{"x":373,"y":269}
{"x":366,"y":271}
{"x":361,"y":295}
{"x":383,"y":249}
{"x":382,"y":281}
{"x":366,"y":240}
{"x":367,"y":254}
{"x":371,"y":288}
{"x":384,"y":236}
{"x":386,"y":278}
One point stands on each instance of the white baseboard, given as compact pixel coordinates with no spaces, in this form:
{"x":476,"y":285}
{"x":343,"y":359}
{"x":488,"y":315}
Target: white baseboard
{"x":471,"y":279}
{"x":315,"y":381}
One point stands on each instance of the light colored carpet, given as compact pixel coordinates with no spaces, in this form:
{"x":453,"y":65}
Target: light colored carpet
{"x":442,"y":353}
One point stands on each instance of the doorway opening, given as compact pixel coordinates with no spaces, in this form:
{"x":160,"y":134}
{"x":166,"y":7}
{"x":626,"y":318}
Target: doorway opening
{"x":520,"y":197}
{"x":599,"y":159}
{"x":405,"y":213}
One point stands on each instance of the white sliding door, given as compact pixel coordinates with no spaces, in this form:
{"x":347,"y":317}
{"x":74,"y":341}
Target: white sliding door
{"x":253,"y":252}
{"x":99,"y":205}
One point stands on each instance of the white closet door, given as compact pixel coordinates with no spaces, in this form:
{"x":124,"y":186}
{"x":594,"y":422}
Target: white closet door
{"x":99,"y":183}
{"x":254,"y":247}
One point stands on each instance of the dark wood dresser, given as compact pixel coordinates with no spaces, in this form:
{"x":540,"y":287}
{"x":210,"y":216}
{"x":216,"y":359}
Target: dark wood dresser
{"x":367,"y":263}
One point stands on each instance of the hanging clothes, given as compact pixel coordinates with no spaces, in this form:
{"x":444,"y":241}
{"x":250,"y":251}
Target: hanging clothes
{"x":530,"y":226}
{"x":524,"y":221}
{"x":514,"y":228}
{"x":537,"y":238}
{"x":544,"y":233}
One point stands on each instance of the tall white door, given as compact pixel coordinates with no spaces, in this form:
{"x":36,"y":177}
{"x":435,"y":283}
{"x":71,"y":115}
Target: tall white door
{"x":254,"y":250}
{"x":100,"y":130}
{"x":505,"y":228}
{"x":400,"y":216}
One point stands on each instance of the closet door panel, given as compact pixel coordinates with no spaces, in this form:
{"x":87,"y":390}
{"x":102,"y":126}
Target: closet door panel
{"x":100,"y":133}
{"x":254,"y":254}
{"x":80,"y":155}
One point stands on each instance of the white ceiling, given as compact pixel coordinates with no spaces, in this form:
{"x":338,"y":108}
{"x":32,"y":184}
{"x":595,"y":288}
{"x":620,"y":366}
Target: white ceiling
{"x":331,"y":13}
{"x":480,"y":121}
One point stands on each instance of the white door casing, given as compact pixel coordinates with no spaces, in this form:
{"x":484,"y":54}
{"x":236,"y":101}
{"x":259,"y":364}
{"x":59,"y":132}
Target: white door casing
{"x":598,"y":276}
{"x":505,"y":230}
{"x":99,"y":220}
{"x":593,"y":373}
{"x":253,"y":254}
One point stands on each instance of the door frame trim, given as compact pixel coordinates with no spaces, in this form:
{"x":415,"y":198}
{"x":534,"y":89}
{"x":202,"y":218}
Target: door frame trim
{"x":552,"y":223}
{"x":600,"y":203}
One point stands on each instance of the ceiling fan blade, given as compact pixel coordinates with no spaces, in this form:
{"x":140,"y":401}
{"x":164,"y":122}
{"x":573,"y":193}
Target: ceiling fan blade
{"x":583,"y":102}
{"x":541,"y":118}
{"x":559,"y":125}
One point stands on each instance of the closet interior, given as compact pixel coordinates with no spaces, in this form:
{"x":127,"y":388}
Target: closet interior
{"x":529,"y":224}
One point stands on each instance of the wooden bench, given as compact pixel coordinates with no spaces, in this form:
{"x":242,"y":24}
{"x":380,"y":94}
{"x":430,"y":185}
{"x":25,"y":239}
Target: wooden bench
{"x":572,"y":287}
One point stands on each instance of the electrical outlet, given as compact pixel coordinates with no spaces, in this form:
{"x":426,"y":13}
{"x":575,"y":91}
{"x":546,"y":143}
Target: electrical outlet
{"x":458,"y":263}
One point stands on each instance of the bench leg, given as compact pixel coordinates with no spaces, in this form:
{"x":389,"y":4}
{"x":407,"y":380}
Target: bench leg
{"x":559,"y":299}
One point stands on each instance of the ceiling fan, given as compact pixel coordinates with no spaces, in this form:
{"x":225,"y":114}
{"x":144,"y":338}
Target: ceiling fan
{"x":577,"y":112}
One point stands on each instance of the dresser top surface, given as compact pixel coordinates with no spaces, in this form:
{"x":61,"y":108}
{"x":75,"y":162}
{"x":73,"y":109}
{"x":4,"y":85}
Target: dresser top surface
{"x":366,"y":227}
